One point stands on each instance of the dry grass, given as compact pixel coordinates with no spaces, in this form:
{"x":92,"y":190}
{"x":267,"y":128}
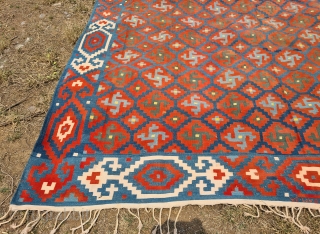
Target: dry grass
{"x":4,"y":43}
{"x":31,"y":73}
{"x":72,"y":33}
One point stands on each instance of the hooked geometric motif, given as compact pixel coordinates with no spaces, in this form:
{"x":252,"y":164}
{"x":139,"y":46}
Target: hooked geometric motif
{"x":165,"y":101}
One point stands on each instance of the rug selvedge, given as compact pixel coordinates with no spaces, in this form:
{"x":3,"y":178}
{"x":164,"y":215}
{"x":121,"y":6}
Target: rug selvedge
{"x":170,"y":103}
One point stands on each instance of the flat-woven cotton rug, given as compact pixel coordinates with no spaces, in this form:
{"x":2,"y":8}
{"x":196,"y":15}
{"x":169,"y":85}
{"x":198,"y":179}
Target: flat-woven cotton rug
{"x":166,"y":103}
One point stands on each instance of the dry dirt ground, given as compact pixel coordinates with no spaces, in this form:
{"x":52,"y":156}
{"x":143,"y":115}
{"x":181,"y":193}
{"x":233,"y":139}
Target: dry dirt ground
{"x":36,"y":41}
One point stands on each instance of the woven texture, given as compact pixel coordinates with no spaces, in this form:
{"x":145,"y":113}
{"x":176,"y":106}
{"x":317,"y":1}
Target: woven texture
{"x":184,"y":102}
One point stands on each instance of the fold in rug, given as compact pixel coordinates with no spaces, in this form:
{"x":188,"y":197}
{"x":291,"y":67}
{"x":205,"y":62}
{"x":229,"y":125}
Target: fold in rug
{"x":171,"y":103}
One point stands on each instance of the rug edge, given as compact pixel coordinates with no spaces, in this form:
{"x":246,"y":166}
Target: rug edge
{"x":288,"y":204}
{"x":291,"y":213}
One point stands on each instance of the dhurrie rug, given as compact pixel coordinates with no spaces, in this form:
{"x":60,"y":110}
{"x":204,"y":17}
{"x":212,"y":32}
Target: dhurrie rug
{"x":166,"y":103}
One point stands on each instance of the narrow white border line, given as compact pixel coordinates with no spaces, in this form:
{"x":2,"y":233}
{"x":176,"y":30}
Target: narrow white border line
{"x":166,"y":205}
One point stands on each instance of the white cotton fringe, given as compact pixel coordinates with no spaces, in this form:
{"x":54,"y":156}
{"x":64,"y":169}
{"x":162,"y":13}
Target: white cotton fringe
{"x":27,"y":223}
